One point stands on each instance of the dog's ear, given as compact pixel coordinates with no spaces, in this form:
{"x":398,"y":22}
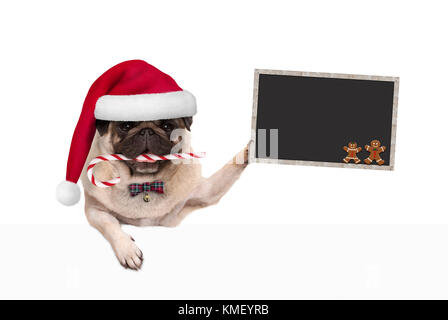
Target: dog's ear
{"x":102,"y":126}
{"x":188,"y":121}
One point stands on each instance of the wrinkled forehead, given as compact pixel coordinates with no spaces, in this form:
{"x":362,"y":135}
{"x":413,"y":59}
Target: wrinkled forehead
{"x":148,"y":124}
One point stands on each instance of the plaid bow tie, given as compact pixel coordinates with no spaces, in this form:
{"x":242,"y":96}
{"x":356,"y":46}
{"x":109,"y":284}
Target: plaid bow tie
{"x":136,"y":188}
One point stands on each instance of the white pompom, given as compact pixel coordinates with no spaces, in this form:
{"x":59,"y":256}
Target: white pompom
{"x":68,"y":193}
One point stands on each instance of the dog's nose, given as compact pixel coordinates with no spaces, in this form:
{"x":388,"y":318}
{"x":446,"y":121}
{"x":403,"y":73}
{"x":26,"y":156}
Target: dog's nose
{"x":146,"y":131}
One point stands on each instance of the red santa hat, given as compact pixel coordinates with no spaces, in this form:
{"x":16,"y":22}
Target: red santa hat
{"x":130,"y":91}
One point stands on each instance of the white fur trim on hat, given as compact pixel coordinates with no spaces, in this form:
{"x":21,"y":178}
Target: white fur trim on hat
{"x":68,"y":193}
{"x":146,"y":107}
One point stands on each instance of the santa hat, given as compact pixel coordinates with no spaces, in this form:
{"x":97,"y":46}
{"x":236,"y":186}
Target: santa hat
{"x":130,"y":91}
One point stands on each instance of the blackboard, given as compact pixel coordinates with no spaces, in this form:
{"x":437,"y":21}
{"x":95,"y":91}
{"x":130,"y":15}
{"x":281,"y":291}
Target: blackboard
{"x":310,"y":118}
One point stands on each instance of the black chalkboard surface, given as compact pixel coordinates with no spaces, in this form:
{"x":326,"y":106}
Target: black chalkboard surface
{"x":315,"y":119}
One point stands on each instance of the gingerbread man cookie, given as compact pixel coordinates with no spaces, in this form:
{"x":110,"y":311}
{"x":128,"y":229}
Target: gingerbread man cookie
{"x":352,"y":150}
{"x":375,"y":149}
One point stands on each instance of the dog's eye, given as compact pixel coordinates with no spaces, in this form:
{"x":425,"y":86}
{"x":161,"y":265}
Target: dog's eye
{"x":167,"y":126}
{"x":126,"y":126}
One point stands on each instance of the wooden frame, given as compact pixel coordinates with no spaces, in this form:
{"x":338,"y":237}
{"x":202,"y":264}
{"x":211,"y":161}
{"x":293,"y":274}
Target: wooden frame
{"x":253,"y":159}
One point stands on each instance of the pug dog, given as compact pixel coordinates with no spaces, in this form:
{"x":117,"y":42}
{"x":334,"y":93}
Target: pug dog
{"x":184,"y":188}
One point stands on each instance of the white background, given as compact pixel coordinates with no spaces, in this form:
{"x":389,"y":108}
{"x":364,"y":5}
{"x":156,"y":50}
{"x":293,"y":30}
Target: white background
{"x":322,"y":233}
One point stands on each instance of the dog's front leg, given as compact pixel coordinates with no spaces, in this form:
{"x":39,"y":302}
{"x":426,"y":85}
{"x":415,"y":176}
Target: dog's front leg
{"x":211,"y":190}
{"x":127,"y":252}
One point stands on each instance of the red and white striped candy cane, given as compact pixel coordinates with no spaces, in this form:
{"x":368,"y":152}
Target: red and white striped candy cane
{"x":147,"y":157}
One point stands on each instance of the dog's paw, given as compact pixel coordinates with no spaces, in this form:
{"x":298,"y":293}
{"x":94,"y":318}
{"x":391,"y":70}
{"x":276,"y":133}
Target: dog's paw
{"x":246,"y":151}
{"x":127,"y":252}
{"x":242,"y":158}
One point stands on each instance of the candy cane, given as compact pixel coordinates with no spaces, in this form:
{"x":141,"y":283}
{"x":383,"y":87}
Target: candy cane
{"x":147,"y":157}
